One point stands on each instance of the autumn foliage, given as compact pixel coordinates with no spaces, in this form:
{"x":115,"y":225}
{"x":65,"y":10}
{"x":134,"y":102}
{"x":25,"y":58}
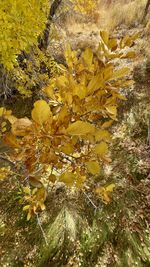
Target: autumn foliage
{"x":67,"y":137}
{"x":17,"y":34}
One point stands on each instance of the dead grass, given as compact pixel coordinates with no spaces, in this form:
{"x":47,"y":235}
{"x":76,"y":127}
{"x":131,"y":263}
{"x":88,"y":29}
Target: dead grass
{"x":147,"y":28}
{"x":110,"y":15}
{"x":82,"y":31}
{"x":124,"y":12}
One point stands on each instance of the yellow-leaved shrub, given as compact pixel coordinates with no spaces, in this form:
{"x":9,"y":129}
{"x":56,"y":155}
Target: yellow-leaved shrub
{"x":67,"y":138}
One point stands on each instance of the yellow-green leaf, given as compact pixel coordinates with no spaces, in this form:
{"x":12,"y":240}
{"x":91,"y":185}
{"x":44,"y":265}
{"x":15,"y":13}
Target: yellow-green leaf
{"x":68,"y":178}
{"x":93,"y":167}
{"x":28,"y":216}
{"x":130,"y":54}
{"x":101,"y":148}
{"x":26,"y":190}
{"x":110,"y":187}
{"x":2,"y":110}
{"x":26,"y":207}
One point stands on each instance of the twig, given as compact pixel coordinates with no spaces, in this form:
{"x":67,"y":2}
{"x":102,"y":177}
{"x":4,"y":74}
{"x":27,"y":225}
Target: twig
{"x":41,"y":228}
{"x":95,"y":207}
{"x":148,"y":135}
{"x":11,"y":162}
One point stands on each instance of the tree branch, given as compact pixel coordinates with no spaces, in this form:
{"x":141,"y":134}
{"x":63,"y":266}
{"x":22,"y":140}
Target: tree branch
{"x":43,"y":43}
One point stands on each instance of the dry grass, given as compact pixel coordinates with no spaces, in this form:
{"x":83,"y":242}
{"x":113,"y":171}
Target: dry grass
{"x":147,"y":28}
{"x":81,"y":31}
{"x":109,"y":16}
{"x":124,"y":12}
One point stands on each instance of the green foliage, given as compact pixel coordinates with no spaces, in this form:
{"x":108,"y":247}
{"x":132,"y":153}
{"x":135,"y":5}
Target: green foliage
{"x":21,"y":23}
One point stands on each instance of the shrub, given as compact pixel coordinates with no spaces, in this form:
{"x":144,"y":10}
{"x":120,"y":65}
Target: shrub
{"x":67,"y":139}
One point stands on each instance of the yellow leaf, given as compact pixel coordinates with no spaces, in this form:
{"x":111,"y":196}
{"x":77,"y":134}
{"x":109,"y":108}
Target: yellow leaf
{"x":120,"y":73}
{"x":34,"y":191}
{"x":128,"y":83}
{"x":88,"y":56}
{"x":105,"y":36}
{"x":68,"y":98}
{"x":107,"y":124}
{"x":110,"y":188}
{"x":112,"y":44}
{"x":12,"y":119}
{"x":80,"y":181}
{"x":102,"y":135}
{"x":68,"y":178}
{"x":105,"y":192}
{"x":26,"y":207}
{"x":126,"y":41}
{"x":79,"y":90}
{"x":41,"y":112}
{"x":67,"y":148}
{"x":130,"y":54}
{"x":112,"y":110}
{"x":93,"y":167}
{"x":80,"y":128}
{"x":71,"y":56}
{"x":4,"y":130}
{"x":119,"y":96}
{"x":101,"y":148}
{"x":63,"y":113}
{"x":2,"y":110}
{"x":62,"y":81}
{"x":95,"y":83}
{"x":108,"y":72}
{"x":3,"y":124}
{"x":41,"y":194}
{"x":129,"y":40}
{"x":42,"y":206}
{"x":26,"y":190}
{"x":106,"y":197}
{"x":49,"y":90}
{"x":28,"y":216}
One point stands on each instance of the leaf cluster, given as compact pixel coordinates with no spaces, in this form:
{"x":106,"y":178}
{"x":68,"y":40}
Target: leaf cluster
{"x":21,"y":23}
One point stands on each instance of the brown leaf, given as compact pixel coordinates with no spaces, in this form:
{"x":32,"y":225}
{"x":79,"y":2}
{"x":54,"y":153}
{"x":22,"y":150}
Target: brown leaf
{"x":11,"y":140}
{"x":21,"y":127}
